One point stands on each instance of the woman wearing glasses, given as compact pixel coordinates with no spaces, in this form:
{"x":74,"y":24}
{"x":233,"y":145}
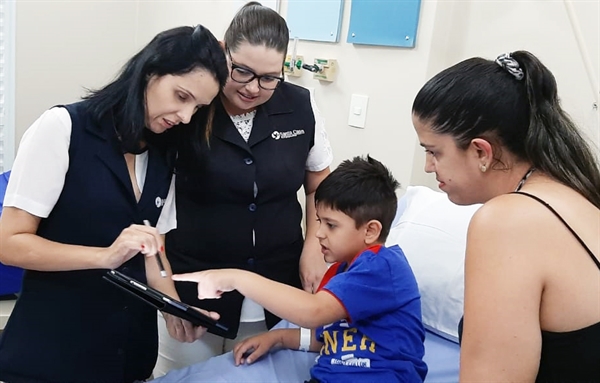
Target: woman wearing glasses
{"x":237,"y":202}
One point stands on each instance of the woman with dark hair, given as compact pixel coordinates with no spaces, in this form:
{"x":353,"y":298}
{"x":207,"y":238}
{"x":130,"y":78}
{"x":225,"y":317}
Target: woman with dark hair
{"x":494,"y":133}
{"x":237,"y":202}
{"x":86,"y":177}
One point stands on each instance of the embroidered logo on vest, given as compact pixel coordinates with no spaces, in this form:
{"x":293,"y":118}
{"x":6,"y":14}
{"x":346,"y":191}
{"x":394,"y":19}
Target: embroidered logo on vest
{"x":159,"y":202}
{"x":289,"y":134}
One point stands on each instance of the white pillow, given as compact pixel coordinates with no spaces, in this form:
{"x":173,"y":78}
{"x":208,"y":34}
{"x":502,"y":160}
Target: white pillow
{"x":432,"y":233}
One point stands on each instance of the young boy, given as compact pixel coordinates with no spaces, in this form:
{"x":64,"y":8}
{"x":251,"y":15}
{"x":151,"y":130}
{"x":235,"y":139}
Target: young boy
{"x":367,"y":311}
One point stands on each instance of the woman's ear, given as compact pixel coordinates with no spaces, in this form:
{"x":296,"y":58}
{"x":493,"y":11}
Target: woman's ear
{"x":484,"y":151}
{"x":372,"y":232}
{"x":222,"y":44}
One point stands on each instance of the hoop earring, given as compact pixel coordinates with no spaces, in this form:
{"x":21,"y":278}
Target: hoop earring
{"x":483,"y":168}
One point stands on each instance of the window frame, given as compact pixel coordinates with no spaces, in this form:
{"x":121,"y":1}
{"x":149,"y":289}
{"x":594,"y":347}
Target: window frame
{"x":8,"y":69}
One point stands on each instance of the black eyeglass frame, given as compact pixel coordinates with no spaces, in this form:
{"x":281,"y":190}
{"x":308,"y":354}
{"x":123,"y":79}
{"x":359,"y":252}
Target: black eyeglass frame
{"x":235,"y":66}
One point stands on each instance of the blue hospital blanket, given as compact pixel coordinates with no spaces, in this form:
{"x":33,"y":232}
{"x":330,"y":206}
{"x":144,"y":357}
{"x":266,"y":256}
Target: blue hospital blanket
{"x":291,"y":366}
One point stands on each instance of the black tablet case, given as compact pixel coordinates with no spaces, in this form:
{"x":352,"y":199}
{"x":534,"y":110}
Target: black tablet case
{"x":167,"y":304}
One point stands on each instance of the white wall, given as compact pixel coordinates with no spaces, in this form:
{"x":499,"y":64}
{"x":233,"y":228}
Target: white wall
{"x":63,"y":46}
{"x":544,"y":28}
{"x":389,"y":76}
{"x":549,"y":29}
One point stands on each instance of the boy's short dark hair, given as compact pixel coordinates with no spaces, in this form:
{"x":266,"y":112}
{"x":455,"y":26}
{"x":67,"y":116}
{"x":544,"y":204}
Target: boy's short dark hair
{"x":363,"y":189}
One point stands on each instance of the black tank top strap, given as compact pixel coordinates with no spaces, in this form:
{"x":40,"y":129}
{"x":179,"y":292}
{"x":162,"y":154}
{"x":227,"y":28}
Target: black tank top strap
{"x":564,"y":223}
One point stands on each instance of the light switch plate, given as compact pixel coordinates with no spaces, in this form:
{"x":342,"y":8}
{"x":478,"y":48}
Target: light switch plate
{"x":358,"y":111}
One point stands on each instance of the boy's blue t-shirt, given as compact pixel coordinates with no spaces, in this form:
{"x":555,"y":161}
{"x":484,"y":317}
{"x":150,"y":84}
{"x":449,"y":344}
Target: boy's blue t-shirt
{"x":382,"y":338}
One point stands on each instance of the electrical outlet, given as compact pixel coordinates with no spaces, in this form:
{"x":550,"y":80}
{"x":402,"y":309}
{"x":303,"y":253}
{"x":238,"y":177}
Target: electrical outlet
{"x":328,"y":70}
{"x":293,"y":69}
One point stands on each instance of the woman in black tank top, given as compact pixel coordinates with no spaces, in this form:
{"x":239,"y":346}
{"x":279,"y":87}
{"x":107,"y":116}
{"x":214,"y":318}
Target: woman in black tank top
{"x":494,"y":133}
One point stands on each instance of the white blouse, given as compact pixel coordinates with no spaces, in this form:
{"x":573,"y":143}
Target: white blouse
{"x":38,"y":174}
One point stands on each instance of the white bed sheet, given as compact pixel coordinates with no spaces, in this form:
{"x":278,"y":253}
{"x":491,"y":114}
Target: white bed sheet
{"x":290,"y":366}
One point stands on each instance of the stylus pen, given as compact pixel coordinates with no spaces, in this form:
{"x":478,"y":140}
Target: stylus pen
{"x":161,"y":267}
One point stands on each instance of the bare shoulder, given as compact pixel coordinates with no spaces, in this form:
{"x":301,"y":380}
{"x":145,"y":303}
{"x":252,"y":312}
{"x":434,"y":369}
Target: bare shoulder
{"x":514,"y":222}
{"x":509,"y":231}
{"x":508,"y":212}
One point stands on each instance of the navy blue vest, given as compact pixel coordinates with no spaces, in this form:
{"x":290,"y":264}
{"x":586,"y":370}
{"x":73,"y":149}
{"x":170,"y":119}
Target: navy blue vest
{"x":73,"y":326}
{"x":217,"y":210}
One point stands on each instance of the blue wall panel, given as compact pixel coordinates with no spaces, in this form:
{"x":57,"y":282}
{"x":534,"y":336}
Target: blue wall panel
{"x":384,"y":22}
{"x":315,"y":20}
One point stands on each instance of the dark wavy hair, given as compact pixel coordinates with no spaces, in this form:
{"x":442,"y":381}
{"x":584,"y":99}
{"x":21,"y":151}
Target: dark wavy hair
{"x":175,"y":51}
{"x":478,"y":98}
{"x":363,"y":189}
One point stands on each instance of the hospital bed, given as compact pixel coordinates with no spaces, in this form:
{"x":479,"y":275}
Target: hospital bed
{"x":432,"y":233}
{"x":283,"y":366}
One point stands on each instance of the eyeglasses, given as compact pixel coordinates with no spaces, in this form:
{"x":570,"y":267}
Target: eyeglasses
{"x":244,"y":75}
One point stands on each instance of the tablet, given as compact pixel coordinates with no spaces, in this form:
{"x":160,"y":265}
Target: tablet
{"x":166,"y":304}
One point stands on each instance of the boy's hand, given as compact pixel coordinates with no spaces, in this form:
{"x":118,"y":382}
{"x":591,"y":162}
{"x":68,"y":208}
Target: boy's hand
{"x":251,"y":349}
{"x":211,"y":283}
